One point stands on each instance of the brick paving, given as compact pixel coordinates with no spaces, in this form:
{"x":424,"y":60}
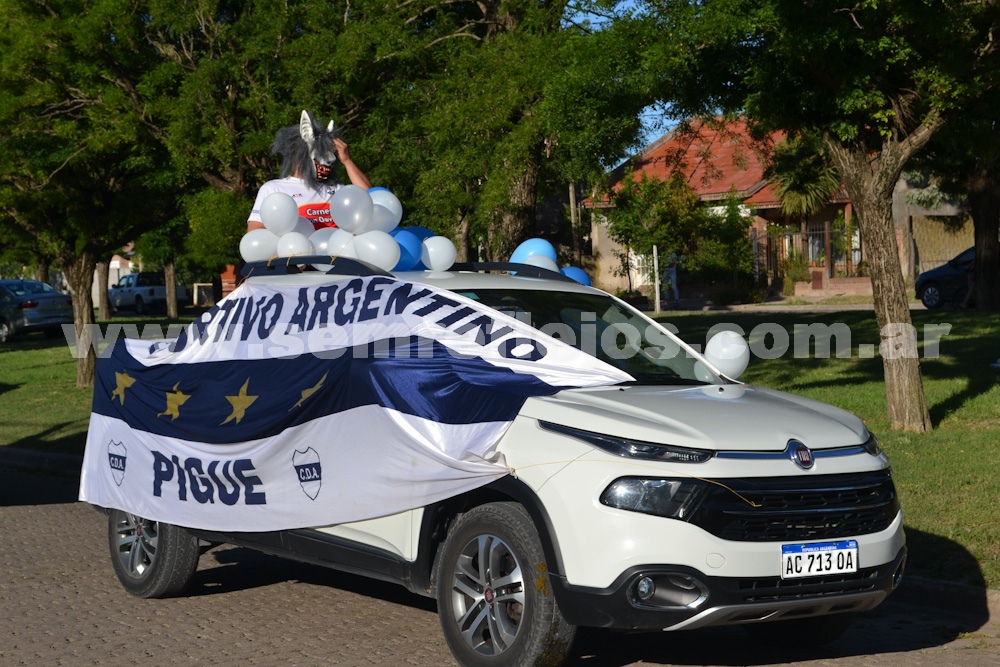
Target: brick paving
{"x":60,"y":604}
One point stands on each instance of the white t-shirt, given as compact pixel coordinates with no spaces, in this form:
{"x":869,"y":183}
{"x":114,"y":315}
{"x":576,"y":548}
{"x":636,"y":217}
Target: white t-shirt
{"x":313,"y":204}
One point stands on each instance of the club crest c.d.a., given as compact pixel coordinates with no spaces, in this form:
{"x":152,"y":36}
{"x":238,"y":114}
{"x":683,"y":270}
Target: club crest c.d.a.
{"x":116,"y":460}
{"x":309,"y":471}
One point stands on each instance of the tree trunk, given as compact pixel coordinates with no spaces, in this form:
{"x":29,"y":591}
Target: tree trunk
{"x":516,"y":222}
{"x":41,"y":270}
{"x":103,"y":307}
{"x":574,"y":225}
{"x":80,"y":274}
{"x":984,"y":200}
{"x":170,"y":281}
{"x":869,"y":178}
{"x":462,"y":243}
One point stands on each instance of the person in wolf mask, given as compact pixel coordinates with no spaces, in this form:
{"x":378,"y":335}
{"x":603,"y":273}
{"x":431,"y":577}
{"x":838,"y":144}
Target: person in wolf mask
{"x":308,"y":153}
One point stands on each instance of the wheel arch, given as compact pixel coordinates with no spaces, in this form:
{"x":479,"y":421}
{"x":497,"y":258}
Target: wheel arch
{"x":438,"y":517}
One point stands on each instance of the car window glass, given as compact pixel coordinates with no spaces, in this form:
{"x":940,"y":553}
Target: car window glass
{"x":599,"y":326}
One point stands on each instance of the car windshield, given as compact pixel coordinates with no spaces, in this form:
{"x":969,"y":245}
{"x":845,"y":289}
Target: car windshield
{"x":601,"y":327}
{"x":29,"y":287}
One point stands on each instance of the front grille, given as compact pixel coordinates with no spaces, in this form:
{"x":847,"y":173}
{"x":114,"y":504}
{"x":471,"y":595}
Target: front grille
{"x":773,"y":589}
{"x":798,"y":508}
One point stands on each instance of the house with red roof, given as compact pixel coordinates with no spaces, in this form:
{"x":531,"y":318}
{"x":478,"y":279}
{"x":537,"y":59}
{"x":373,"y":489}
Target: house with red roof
{"x":719,"y":160}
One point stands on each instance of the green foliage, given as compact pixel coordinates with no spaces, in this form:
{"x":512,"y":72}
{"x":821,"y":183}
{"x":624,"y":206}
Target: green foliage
{"x":216,"y":222}
{"x":803,"y":175}
{"x":650,"y":211}
{"x":795,"y":269}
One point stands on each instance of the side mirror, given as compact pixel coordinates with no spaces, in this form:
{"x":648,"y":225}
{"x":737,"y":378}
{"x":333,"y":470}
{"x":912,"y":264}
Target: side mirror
{"x":728,"y":352}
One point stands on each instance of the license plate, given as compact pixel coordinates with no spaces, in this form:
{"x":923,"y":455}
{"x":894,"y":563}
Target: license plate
{"x":811,"y":560}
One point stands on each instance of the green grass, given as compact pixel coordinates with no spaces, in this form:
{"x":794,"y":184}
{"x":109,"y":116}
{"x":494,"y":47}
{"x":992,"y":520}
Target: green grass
{"x":41,"y":407}
{"x":948,"y":479}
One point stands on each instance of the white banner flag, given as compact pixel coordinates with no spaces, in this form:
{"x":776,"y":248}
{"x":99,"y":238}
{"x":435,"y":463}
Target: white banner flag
{"x":285,"y":407}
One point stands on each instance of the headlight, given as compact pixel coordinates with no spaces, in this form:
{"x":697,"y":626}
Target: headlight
{"x":672,"y":498}
{"x":871,"y":445}
{"x":635,"y":449}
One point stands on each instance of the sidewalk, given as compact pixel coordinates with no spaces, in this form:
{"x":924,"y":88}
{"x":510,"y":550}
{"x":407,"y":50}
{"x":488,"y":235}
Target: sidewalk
{"x":782,"y":305}
{"x":914,"y":590}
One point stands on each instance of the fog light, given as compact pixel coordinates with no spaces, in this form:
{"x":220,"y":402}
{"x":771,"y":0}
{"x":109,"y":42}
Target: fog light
{"x":645,"y":588}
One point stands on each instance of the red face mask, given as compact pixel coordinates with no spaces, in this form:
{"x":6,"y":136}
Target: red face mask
{"x":322,"y":171}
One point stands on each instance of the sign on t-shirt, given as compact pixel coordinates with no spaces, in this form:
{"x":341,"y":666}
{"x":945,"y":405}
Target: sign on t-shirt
{"x":313,"y":204}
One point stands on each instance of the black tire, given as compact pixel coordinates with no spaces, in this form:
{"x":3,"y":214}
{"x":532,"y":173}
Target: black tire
{"x":151,"y":559}
{"x":52,"y":334}
{"x":801,"y":632}
{"x":931,"y":296}
{"x":501,"y":613}
{"x":140,"y":306}
{"x":6,"y":332}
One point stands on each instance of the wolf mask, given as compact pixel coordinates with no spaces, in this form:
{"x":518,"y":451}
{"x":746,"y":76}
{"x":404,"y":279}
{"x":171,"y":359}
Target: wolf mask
{"x":306,"y":150}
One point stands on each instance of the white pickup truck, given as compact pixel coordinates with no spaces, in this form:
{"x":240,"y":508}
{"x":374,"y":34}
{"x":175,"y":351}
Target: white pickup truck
{"x":143,"y":291}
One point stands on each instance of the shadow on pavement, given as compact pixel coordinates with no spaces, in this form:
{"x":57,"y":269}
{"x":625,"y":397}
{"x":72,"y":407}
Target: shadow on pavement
{"x":920,"y":615}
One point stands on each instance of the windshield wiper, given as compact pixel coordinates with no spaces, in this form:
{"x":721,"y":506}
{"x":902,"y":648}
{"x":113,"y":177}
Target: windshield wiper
{"x":659,"y":379}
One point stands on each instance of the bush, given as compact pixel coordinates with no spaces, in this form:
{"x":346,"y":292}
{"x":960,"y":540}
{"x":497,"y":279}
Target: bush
{"x":795,"y":269}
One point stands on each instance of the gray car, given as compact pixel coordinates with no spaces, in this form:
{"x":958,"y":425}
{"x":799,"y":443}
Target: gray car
{"x":31,"y":305}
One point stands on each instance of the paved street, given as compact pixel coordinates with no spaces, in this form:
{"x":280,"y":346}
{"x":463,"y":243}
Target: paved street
{"x":60,"y":604}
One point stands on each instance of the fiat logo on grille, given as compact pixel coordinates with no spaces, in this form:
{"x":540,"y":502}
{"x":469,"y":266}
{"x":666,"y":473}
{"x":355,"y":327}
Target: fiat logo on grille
{"x":800,"y":454}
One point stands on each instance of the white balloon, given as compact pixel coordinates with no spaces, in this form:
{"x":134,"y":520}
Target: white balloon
{"x":377,"y":248}
{"x":293,"y":243}
{"x":382,"y":220}
{"x":351,"y":208}
{"x":729,"y":352}
{"x":438,"y":253}
{"x":390,"y":202}
{"x":341,"y":244}
{"x":320,"y":239}
{"x":258,"y":245}
{"x":304,"y":226}
{"x":542,"y":262}
{"x":279,"y":213}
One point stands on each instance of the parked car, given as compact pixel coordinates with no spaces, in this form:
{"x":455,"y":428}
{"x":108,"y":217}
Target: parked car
{"x":31,"y":305}
{"x":680,"y":500}
{"x":143,"y":291}
{"x":948,"y":283}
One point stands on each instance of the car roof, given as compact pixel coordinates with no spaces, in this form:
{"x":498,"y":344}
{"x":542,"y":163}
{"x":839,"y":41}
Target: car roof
{"x":503,"y":276}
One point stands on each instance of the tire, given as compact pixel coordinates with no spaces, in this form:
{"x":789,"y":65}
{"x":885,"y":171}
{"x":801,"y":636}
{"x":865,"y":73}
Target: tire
{"x":502,"y":612}
{"x":801,"y":632}
{"x":151,"y":559}
{"x":6,"y":332}
{"x":931,"y":296}
{"x":140,"y":306}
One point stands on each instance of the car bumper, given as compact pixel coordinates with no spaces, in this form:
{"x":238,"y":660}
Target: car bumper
{"x":687,"y":599}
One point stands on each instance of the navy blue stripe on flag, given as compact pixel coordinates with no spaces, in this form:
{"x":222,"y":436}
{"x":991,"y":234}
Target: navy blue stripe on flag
{"x":220,"y":402}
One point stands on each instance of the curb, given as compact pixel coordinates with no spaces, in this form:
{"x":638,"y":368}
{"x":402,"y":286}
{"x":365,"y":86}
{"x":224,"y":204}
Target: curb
{"x":918,"y":591}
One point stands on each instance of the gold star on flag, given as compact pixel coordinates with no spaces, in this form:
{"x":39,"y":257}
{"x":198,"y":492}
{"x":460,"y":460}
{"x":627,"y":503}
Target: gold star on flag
{"x":306,"y":393}
{"x":175,"y":399}
{"x":124,"y":381}
{"x":240,"y":403}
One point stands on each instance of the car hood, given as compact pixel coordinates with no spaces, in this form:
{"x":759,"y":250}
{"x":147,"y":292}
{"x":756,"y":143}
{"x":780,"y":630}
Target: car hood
{"x":718,"y":417}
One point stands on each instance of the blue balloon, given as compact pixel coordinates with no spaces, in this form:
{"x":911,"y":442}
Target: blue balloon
{"x":377,"y":188}
{"x":409,"y":250}
{"x":577,"y":274}
{"x":420,"y":232}
{"x":533,"y":247}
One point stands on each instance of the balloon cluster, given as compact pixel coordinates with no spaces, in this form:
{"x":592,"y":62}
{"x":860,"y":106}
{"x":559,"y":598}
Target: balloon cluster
{"x":367,"y":229}
{"x":541,"y":253}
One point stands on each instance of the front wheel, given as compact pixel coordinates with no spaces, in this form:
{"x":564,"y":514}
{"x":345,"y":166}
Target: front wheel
{"x":6,"y":332}
{"x":931,"y":297}
{"x":495,"y":601}
{"x":151,"y":559}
